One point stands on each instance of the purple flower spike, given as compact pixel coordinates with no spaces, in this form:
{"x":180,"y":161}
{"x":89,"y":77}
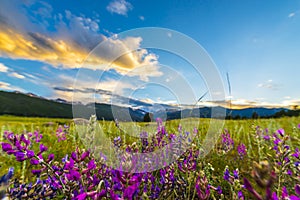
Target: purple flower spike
{"x":299,"y":126}
{"x":242,"y":150}
{"x":226,"y":175}
{"x":219,"y":190}
{"x":6,"y":147}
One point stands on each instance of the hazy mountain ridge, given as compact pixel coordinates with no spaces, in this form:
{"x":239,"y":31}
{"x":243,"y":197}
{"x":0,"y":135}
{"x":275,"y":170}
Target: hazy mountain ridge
{"x":20,"y":104}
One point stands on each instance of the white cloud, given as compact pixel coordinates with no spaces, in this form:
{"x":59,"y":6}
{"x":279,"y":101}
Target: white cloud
{"x":291,"y":15}
{"x":8,"y":86}
{"x":4,"y":85}
{"x":85,"y":90}
{"x":16,"y":75}
{"x":120,"y":7}
{"x":269,"y":84}
{"x":291,"y":102}
{"x":142,"y":18}
{"x":3,"y":68}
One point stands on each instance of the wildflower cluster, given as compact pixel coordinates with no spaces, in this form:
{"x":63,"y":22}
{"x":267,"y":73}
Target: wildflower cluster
{"x":81,"y":175}
{"x":178,"y":172}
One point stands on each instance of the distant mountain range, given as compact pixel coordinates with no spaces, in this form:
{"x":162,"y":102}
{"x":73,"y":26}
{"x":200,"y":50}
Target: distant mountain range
{"x":31,"y":105}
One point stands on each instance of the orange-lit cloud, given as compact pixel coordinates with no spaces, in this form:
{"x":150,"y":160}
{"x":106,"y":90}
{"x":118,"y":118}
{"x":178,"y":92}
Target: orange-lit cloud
{"x":39,"y":47}
{"x":111,"y":53}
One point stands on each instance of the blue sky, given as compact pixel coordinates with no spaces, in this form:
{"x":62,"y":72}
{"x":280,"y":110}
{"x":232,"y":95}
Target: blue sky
{"x":43,"y":45}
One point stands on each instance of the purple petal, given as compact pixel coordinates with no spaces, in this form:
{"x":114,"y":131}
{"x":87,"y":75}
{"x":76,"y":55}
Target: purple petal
{"x":30,"y":153}
{"x":274,"y":196}
{"x":240,"y":194}
{"x":284,"y":193}
{"x":91,"y":165}
{"x":50,"y":157}
{"x":281,"y":131}
{"x":293,"y":197}
{"x":20,"y":156}
{"x":6,"y":146}
{"x":43,"y":148}
{"x":84,"y":155}
{"x":34,"y":161}
{"x":226,"y":175}
{"x":81,"y":196}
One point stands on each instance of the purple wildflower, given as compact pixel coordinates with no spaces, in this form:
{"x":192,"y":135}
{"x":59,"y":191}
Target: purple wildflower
{"x":274,"y":196}
{"x":242,"y":150}
{"x":81,"y":196}
{"x":226,"y":175}
{"x":297,"y":153}
{"x":227,"y":141}
{"x":236,"y":174}
{"x":50,"y":157}
{"x":85,"y":155}
{"x":219,"y":190}
{"x":43,"y":148}
{"x":267,"y":137}
{"x":73,"y":175}
{"x":131,"y":191}
{"x":240,"y":195}
{"x":281,"y":132}
{"x":91,"y":165}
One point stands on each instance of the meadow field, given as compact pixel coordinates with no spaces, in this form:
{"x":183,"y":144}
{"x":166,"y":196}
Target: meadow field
{"x":252,"y":159}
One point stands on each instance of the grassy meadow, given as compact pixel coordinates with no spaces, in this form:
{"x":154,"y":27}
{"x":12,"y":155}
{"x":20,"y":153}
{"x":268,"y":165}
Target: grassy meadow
{"x":255,"y":162}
